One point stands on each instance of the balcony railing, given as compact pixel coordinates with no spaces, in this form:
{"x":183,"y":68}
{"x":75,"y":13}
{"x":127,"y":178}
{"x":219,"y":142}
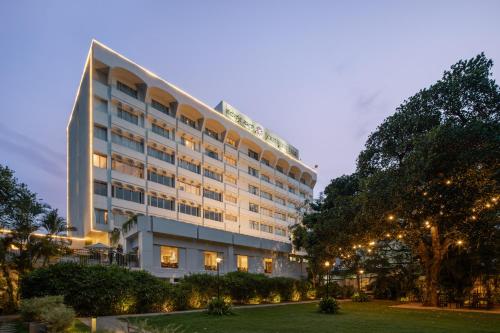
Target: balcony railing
{"x":99,"y":257}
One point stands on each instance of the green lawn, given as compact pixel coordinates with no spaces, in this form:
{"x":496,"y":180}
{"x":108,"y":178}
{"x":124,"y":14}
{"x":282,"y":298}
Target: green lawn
{"x":369,"y":317}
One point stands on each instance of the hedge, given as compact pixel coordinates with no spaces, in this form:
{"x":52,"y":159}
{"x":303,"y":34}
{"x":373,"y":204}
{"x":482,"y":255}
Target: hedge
{"x":111,"y":290}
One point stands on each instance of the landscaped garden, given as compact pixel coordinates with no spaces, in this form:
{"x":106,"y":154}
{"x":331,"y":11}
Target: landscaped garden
{"x":370,"y":317}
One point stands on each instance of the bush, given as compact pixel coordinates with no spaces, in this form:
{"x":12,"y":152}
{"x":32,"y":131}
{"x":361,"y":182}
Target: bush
{"x":360,"y":297}
{"x":219,"y":307}
{"x":329,"y":305}
{"x":49,"y":310}
{"x":346,"y":291}
{"x":98,"y":290}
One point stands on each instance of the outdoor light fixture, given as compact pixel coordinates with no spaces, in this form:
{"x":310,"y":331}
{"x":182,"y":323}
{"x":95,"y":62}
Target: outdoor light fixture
{"x":361,"y":271}
{"x":391,"y":217}
{"x":327,"y":264}
{"x":460,"y":242}
{"x":218,"y":260}
{"x":448,"y":182}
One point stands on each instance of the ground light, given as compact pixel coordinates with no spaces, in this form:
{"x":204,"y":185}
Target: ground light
{"x":218,"y":260}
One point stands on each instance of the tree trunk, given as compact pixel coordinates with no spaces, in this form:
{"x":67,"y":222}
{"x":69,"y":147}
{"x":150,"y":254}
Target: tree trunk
{"x":434,"y":268}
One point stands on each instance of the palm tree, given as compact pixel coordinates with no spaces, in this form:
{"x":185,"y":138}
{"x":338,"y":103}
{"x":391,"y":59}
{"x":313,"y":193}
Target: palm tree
{"x":51,"y":244}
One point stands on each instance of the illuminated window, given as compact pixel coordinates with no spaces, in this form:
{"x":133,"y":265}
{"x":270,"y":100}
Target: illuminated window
{"x":232,"y":218}
{"x":100,"y":216}
{"x":231,"y":198}
{"x":242,"y":263}
{"x":183,"y":186}
{"x":230,"y":160}
{"x":100,"y":161}
{"x":253,"y":225}
{"x":188,"y":143}
{"x":253,"y":207}
{"x":268,"y":265}
{"x":128,"y":167}
{"x":169,"y":257}
{"x":253,"y":189}
{"x":231,"y":142}
{"x":253,"y":172}
{"x":231,"y":179}
{"x":210,"y":261}
{"x":266,"y":211}
{"x":253,"y":154}
{"x":188,"y":121}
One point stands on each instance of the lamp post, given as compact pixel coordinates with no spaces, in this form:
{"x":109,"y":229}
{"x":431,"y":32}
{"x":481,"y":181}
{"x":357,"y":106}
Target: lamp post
{"x":327,"y":266}
{"x":360,"y":274}
{"x":218,"y":260}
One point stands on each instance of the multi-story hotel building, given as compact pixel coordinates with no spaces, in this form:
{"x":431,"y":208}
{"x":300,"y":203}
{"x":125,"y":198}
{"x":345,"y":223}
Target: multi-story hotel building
{"x":202,"y":182}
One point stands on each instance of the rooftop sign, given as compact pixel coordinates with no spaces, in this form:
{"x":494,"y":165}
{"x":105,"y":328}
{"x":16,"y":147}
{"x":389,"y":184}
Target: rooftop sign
{"x":256,"y":129}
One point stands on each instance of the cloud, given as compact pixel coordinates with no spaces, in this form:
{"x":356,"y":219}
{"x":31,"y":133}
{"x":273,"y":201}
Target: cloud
{"x":37,"y":154}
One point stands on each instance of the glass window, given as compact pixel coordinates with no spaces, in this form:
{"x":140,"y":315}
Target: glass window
{"x":266,"y":211}
{"x":210,"y":259}
{"x":128,"y":142}
{"x":280,"y":231}
{"x":279,"y":200}
{"x":231,"y":142}
{"x":266,"y":162}
{"x":100,"y":161}
{"x":101,"y":132}
{"x":253,"y":172}
{"x":253,"y":154}
{"x":164,"y":132}
{"x":280,"y":169}
{"x":189,"y":166}
{"x":230,"y":217}
{"x":253,"y":189}
{"x":127,"y":194}
{"x":100,"y":188}
{"x":212,"y":134}
{"x":160,"y":202}
{"x":230,"y":160}
{"x":279,"y":184}
{"x":211,"y":215}
{"x":127,"y":116}
{"x":266,"y":195}
{"x":266,"y":228}
{"x":242,"y":263}
{"x":268,"y":265}
{"x":161,"y":178}
{"x":188,"y":143}
{"x":127,"y":167}
{"x":212,"y":174}
{"x":212,"y":194}
{"x":253,"y":225}
{"x":190,"y":188}
{"x":265,"y":178}
{"x":211,"y":153}
{"x":100,"y":216}
{"x":100,"y":104}
{"x":169,"y":257}
{"x":188,"y":121}
{"x":280,"y":216}
{"x":160,"y":107}
{"x":161,"y":155}
{"x":253,"y":207}
{"x":126,"y":89}
{"x":189,"y":210}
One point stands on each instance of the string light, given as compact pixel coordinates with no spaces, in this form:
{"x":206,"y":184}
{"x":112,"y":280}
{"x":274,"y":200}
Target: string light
{"x":391,"y":217}
{"x":400,"y":236}
{"x":459,"y":242}
{"x":372,"y":243}
{"x":488,"y":205}
{"x":387,"y":235}
{"x":448,"y":182}
{"x":473,"y":217}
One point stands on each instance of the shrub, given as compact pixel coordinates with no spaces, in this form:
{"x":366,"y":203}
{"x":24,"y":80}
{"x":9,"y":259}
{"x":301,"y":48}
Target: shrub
{"x":360,"y":297}
{"x":329,"y":305}
{"x":98,"y":290}
{"x":31,"y":309}
{"x":219,"y":307}
{"x":283,"y":286}
{"x":346,"y":291}
{"x":242,"y":286}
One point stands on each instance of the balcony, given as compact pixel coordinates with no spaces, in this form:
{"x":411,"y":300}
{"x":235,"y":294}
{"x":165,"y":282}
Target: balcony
{"x":160,"y":115}
{"x":127,"y":152}
{"x":100,"y":145}
{"x":188,"y":152}
{"x":100,"y":89}
{"x":128,"y":179}
{"x":123,"y":97}
{"x":128,"y":126}
{"x":213,"y":161}
{"x":188,"y":129}
{"x":160,"y":188}
{"x":100,"y":118}
{"x":213,"y":204}
{"x":185,"y":173}
{"x":213,"y":183}
{"x":213,"y":141}
{"x":152,"y":136}
{"x":129,"y":205}
{"x":250,"y":161}
{"x":230,"y":149}
{"x":164,"y":213}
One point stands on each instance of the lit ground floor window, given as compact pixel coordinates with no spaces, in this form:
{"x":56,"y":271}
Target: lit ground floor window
{"x":169,"y":257}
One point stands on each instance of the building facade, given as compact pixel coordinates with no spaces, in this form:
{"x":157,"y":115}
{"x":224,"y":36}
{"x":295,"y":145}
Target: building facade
{"x":192,"y":183}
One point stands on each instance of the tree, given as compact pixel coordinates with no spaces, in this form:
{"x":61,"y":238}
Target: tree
{"x":22,"y":216}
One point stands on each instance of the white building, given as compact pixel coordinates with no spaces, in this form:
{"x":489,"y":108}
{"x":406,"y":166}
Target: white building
{"x":203,"y":182}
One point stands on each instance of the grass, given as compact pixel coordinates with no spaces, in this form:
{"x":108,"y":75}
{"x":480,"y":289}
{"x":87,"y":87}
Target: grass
{"x":369,"y":317}
{"x":78,"y":327}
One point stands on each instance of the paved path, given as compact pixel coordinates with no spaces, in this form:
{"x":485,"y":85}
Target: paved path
{"x":418,"y":306}
{"x":7,"y":327}
{"x":115,"y":325}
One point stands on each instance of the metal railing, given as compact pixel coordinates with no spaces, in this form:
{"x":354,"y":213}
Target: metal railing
{"x":98,"y":257}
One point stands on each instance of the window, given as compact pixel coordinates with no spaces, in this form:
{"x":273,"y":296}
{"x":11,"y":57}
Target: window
{"x":212,"y":194}
{"x":291,"y":175}
{"x":127,"y":116}
{"x":161,"y":178}
{"x":291,"y":189}
{"x":127,"y":194}
{"x":190,"y":188}
{"x":211,"y":153}
{"x":161,"y":155}
{"x":127,"y":167}
{"x":253,"y":225}
{"x":266,"y":228}
{"x":126,"y":89}
{"x":265,"y":178}
{"x":268,"y":265}
{"x":169,"y":257}
{"x":279,"y":184}
{"x":253,"y":189}
{"x":279,"y":200}
{"x":100,"y":161}
{"x":242,"y":263}
{"x":121,"y":140}
{"x":188,"y":121}
{"x":229,"y":160}
{"x":231,"y":198}
{"x":280,"y":169}
{"x":100,"y":188}
{"x":292,"y":219}
{"x":266,"y":162}
{"x":266,"y":195}
{"x":189,"y":166}
{"x":302,"y":194}
{"x":266,"y":211}
{"x":232,"y":218}
{"x":210,"y":259}
{"x":100,"y":216}
{"x":231,"y":142}
{"x":253,"y":154}
{"x":160,"y":107}
{"x":189,"y":210}
{"x":100,"y":104}
{"x":164,"y":132}
{"x":280,"y":232}
{"x":211,"y":215}
{"x":160,"y":202}
{"x":101,"y":132}
{"x":188,"y":143}
{"x":280,"y":216}
{"x":231,"y":179}
{"x":212,"y":174}
{"x":212,"y":134}
{"x":253,"y":207}
{"x":253,"y":172}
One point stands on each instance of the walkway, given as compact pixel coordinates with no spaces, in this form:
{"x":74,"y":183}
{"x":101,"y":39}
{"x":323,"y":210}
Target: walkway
{"x":115,"y":325}
{"x":418,"y":306}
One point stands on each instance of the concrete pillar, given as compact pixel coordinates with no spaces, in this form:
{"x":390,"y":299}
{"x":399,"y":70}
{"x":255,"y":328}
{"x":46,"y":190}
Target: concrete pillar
{"x":230,"y":260}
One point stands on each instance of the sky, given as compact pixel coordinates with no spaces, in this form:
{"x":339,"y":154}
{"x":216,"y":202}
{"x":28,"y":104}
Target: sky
{"x":321,"y":74}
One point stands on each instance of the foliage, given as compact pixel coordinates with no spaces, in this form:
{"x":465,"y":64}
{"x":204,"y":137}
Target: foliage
{"x":219,"y":307}
{"x":328,"y":305}
{"x":31,"y":308}
{"x":24,"y":214}
{"x":425,"y":191}
{"x":360,"y":297}
{"x":142,"y":326}
{"x":49,"y":310}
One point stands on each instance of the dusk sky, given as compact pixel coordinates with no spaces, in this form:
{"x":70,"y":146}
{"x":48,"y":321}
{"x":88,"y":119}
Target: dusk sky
{"x":320,"y":74}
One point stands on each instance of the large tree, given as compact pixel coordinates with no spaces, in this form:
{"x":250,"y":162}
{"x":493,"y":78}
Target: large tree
{"x":427,"y":177}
